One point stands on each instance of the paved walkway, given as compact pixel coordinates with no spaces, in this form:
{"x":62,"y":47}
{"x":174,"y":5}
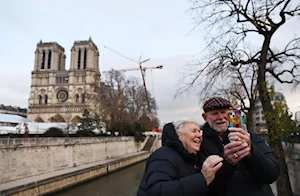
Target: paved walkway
{"x":34,"y":179}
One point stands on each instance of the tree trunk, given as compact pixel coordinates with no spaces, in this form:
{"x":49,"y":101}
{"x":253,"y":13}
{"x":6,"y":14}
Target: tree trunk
{"x":250,"y":121}
{"x":283,"y":182}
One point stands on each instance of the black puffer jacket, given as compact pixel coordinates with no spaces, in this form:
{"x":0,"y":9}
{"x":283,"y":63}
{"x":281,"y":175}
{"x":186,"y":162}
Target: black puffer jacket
{"x":251,"y":176}
{"x":171,"y":170}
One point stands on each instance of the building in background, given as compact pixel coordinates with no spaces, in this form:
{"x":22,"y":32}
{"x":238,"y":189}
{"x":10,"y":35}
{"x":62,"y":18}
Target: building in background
{"x":297,"y":117}
{"x":7,"y":109}
{"x":259,"y":119}
{"x":60,"y":95}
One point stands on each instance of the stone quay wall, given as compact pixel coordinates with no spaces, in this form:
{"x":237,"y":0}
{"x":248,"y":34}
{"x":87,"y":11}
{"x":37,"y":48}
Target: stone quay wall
{"x":25,"y":157}
{"x":292,"y":159}
{"x":66,"y":179}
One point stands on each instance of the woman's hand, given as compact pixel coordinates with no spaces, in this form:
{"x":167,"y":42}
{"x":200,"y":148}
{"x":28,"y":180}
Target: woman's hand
{"x":210,"y":166}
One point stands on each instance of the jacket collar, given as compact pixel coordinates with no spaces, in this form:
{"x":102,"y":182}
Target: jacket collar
{"x":211,"y":133}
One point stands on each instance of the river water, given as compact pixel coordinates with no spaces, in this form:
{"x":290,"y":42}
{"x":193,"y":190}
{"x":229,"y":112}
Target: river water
{"x":124,"y":182}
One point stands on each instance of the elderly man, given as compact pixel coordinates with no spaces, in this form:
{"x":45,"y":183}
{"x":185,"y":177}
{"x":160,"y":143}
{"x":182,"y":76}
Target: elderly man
{"x":249,"y":165}
{"x":171,"y":169}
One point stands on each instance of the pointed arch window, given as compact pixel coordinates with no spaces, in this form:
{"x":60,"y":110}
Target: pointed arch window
{"x":84,"y":59}
{"x":49,"y":60}
{"x":40,"y":99}
{"x":77,"y":98}
{"x":59,"y":56}
{"x":79,"y":58}
{"x":43,"y":60}
{"x":46,"y":99}
{"x":82,"y":98}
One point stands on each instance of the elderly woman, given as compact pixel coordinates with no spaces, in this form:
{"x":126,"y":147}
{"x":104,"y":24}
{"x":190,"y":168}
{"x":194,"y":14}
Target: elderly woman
{"x":171,"y":170}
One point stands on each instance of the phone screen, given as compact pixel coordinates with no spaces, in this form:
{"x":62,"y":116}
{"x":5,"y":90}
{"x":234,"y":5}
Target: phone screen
{"x":235,"y":119}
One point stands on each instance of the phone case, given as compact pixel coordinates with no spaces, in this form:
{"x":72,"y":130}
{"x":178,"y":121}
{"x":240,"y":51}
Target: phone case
{"x":235,"y":119}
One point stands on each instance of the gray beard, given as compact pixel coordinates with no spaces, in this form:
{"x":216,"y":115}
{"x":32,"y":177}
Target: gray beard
{"x":215,"y":128}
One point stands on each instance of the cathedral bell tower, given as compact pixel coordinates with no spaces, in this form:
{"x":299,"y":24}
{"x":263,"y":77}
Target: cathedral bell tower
{"x":49,"y":57}
{"x":57,"y":94}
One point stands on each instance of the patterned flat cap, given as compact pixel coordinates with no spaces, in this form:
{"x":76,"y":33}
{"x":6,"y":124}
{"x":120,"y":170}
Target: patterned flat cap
{"x":216,"y":103}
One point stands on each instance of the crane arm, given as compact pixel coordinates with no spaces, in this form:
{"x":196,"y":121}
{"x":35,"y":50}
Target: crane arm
{"x":138,"y":68}
{"x":120,"y":54}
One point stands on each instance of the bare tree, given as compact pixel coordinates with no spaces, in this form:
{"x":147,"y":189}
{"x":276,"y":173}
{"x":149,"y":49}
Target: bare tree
{"x":137,"y":104}
{"x":225,"y":77}
{"x":135,"y":99}
{"x":122,"y":101}
{"x":112,"y":100}
{"x":233,"y":24}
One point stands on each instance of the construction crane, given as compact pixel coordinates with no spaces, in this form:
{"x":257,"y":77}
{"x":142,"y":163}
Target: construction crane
{"x":141,"y":68}
{"x":143,"y":76}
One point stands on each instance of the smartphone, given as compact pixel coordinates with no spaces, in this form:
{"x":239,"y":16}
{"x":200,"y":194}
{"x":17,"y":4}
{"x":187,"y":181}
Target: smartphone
{"x":235,"y":119}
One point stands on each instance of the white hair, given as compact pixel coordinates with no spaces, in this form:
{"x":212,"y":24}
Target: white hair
{"x":179,"y":123}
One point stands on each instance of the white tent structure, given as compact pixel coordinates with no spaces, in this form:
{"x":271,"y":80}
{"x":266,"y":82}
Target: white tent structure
{"x":40,"y":128}
{"x":12,"y":118}
{"x":10,"y":122}
{"x":7,"y":130}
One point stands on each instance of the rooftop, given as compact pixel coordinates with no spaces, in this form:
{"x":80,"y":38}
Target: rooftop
{"x":276,"y":97}
{"x":11,"y":118}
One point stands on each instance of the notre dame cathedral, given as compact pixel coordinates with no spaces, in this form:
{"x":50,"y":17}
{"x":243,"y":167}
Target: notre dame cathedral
{"x":60,"y":95}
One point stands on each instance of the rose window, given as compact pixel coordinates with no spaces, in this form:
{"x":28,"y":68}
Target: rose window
{"x":62,"y":96}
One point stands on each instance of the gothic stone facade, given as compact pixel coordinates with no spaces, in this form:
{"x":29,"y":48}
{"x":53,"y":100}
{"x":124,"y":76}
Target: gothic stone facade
{"x":60,"y":95}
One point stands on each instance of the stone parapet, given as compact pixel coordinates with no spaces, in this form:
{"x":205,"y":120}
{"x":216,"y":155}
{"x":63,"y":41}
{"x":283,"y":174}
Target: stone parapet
{"x":22,"y":158}
{"x":50,"y":141}
{"x":57,"y":108}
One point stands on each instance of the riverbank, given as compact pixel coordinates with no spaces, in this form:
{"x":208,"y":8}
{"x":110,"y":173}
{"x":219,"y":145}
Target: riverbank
{"x":61,"y":179}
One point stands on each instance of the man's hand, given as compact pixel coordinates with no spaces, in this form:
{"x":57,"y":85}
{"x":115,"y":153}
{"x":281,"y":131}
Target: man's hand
{"x":210,"y":166}
{"x":239,"y":146}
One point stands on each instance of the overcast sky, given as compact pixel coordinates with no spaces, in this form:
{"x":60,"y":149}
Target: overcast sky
{"x":159,"y":28}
